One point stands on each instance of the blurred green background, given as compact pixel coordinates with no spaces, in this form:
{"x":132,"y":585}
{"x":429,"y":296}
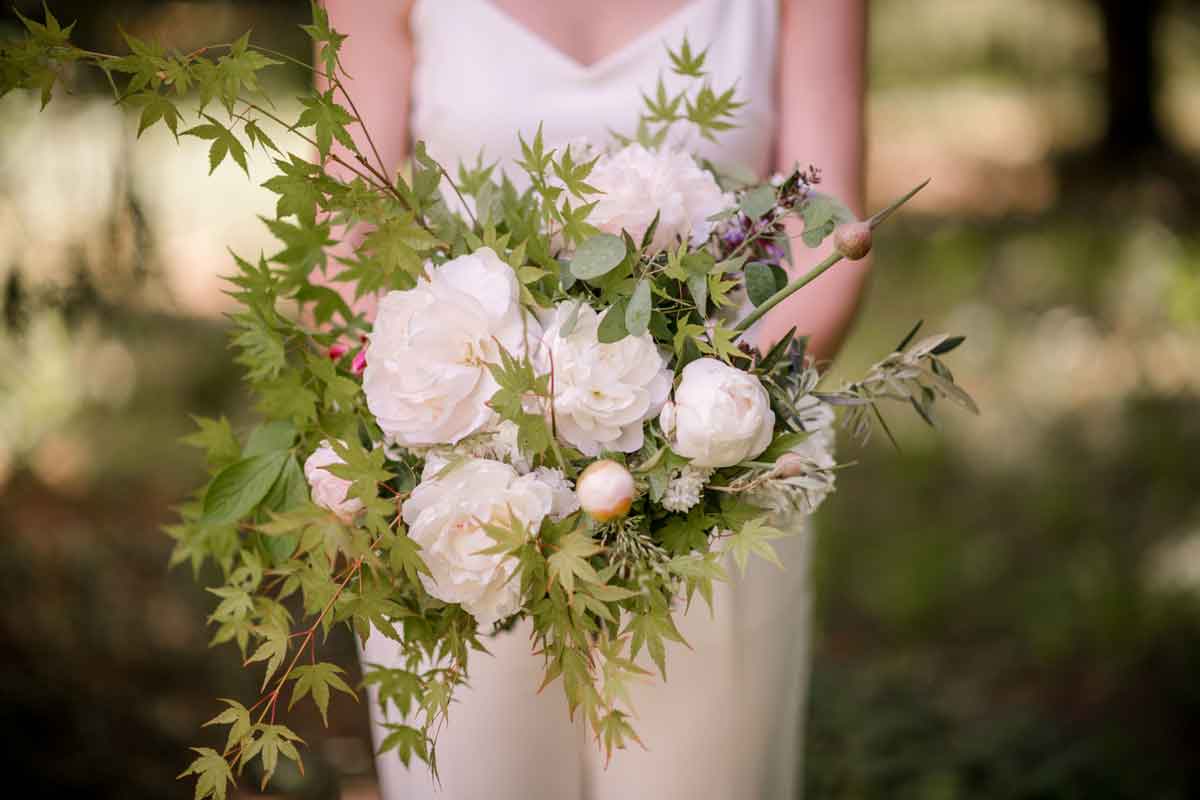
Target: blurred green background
{"x":1008,"y":609}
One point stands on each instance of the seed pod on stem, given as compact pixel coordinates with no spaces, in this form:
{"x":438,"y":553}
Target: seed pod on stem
{"x":853,"y":239}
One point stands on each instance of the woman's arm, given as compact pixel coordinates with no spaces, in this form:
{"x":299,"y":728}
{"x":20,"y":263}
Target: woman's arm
{"x":378,"y":59}
{"x":821,"y":81}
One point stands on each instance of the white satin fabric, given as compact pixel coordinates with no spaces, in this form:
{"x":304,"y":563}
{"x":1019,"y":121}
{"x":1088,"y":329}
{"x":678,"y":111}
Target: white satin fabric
{"x":727,"y":722}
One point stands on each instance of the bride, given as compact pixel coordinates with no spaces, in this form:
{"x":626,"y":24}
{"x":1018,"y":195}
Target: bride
{"x":462,"y":75}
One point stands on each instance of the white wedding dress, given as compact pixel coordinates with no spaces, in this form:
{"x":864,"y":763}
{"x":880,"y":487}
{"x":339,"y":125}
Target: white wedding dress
{"x":727,"y":722}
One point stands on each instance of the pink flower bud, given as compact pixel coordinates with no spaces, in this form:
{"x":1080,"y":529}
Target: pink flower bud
{"x":337,"y":350}
{"x":605,"y":490}
{"x":790,"y":465}
{"x":360,"y":362}
{"x":853,"y":239}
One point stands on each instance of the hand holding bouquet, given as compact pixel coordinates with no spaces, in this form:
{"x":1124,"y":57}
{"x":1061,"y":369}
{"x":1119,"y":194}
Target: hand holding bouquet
{"x":553,"y":414}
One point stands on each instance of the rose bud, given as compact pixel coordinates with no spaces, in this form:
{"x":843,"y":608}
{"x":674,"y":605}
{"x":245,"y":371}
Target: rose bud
{"x":853,"y":239}
{"x":360,"y":362}
{"x":790,"y":465}
{"x":605,"y":490}
{"x":337,"y":350}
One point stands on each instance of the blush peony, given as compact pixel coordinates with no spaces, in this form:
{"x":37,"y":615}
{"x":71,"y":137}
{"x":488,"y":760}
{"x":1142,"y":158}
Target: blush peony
{"x":426,"y":379}
{"x":444,"y":517}
{"x":328,"y":490}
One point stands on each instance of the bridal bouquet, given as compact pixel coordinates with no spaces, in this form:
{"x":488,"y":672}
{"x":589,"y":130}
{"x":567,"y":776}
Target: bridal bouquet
{"x":552,"y":411}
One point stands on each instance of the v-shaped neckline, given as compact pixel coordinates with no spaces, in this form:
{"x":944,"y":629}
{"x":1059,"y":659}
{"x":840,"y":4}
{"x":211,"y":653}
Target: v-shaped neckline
{"x":651,"y":34}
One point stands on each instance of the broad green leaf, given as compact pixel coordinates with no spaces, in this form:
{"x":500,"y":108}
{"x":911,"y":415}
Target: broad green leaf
{"x":597,"y":256}
{"x":238,"y":488}
{"x":270,"y":437}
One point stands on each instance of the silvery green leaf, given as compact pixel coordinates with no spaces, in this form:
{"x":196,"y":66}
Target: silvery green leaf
{"x":565,"y":278}
{"x":758,"y":201}
{"x":597,"y":256}
{"x":637,"y":314}
{"x":568,"y":324}
{"x":760,"y":282}
{"x":612,"y":325}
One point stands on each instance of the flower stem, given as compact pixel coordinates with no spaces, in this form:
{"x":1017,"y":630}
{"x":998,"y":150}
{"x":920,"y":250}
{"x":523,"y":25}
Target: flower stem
{"x":816,"y":272}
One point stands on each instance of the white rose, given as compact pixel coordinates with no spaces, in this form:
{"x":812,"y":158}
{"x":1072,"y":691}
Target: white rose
{"x":603,"y":393}
{"x":444,"y":517}
{"x":427,"y":380}
{"x":720,"y":416}
{"x":638,"y":183}
{"x":328,"y":490}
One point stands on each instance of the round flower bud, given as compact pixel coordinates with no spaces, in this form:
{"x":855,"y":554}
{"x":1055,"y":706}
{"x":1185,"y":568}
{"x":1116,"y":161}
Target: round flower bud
{"x":790,"y":465}
{"x":853,"y":239}
{"x":605,"y":490}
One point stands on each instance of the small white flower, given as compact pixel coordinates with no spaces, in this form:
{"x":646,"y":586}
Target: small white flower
{"x":603,"y":393}
{"x":638,"y":183}
{"x":505,"y":446}
{"x":720,"y":415}
{"x":427,"y":379}
{"x":328,"y":490}
{"x":564,"y":501}
{"x":445,"y":517}
{"x":685,"y":488}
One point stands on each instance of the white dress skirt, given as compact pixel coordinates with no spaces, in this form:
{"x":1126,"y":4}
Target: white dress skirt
{"x":727,"y":723}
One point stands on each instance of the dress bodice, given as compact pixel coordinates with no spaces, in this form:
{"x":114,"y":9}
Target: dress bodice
{"x":480,"y":77}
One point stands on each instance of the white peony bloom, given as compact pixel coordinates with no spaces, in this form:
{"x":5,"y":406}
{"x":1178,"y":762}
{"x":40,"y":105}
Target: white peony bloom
{"x":328,"y":490}
{"x":427,"y":380}
{"x":603,"y":393}
{"x":638,"y":183}
{"x":564,"y":501}
{"x":720,"y":416}
{"x":685,"y":488}
{"x":444,"y":516}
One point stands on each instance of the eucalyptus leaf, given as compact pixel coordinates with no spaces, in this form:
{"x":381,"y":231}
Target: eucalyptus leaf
{"x":612,"y":325}
{"x":758,"y":201}
{"x":637,"y":313}
{"x":760,"y":282}
{"x":565,"y":278}
{"x":568,"y":325}
{"x":597,"y":256}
